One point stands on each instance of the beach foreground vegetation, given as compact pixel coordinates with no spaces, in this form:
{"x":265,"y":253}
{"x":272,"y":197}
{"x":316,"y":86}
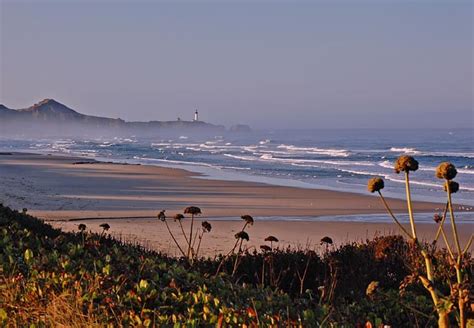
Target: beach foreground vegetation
{"x":49,"y":277}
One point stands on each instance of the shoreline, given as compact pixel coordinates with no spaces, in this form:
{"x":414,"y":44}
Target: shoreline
{"x":70,"y":187}
{"x":63,"y":189}
{"x":210,"y":172}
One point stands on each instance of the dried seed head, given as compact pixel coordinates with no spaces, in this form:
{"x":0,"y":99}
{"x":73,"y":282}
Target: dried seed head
{"x":161,"y":216}
{"x":375,"y":184}
{"x":242,"y":235}
{"x":446,"y":171}
{"x":326,"y":240}
{"x":272,"y":239}
{"x":193,"y":210}
{"x":105,"y":226}
{"x":178,"y":217}
{"x":406,"y":164}
{"x":248,"y":219}
{"x":453,"y":186}
{"x":82,"y":227}
{"x":206,"y":226}
{"x":437,"y":218}
{"x":265,"y":248}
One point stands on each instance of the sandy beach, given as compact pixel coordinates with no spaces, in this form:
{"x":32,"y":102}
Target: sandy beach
{"x":128,"y":197}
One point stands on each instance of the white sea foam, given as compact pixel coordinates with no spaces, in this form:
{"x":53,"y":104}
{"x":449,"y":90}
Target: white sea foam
{"x":223,"y":147}
{"x":171,"y":144}
{"x":147,"y":159}
{"x":270,"y":157}
{"x":106,"y":144}
{"x":300,"y":162}
{"x":405,"y":150}
{"x":237,"y":168}
{"x":243,"y":158}
{"x":386,"y":164}
{"x":194,"y":148}
{"x":316,"y":150}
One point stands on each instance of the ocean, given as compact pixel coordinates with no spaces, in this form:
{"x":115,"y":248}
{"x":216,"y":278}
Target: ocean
{"x":340,"y":160}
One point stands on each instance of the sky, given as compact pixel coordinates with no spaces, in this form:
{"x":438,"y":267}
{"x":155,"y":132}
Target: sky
{"x":285,"y":64}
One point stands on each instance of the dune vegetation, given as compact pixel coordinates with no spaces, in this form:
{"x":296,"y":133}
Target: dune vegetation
{"x":82,"y":279}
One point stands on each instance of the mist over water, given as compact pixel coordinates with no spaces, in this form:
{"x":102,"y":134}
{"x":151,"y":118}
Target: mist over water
{"x":329,"y":159}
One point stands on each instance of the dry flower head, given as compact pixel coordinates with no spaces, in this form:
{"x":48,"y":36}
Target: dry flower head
{"x":272,"y":239}
{"x":405,"y":164}
{"x":248,"y":219}
{"x":326,"y":240}
{"x":206,"y":226}
{"x":105,"y":226}
{"x":453,"y":187}
{"x":161,"y":216}
{"x":178,"y":217}
{"x":242,"y":235}
{"x":437,"y":218}
{"x":193,"y":210}
{"x":375,"y":184}
{"x":446,"y":171}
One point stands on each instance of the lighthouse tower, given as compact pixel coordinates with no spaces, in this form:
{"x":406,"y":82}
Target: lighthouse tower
{"x":196,"y":116}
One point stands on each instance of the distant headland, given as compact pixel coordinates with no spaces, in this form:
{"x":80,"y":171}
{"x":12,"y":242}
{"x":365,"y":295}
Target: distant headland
{"x":50,"y":117}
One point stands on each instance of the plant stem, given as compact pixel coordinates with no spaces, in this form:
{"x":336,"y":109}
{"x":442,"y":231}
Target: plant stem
{"x":443,"y":320}
{"x":199,"y":244}
{"x":409,"y":203}
{"x":225,"y":257}
{"x":428,"y":264}
{"x":467,"y":245}
{"x":442,"y":222}
{"x":393,"y":216}
{"x":174,"y":239}
{"x":237,"y":258}
{"x":453,"y":222}
{"x":184,"y":234}
{"x":194,"y":241}
{"x":448,"y":247}
{"x":191,"y":234}
{"x":462,"y":319}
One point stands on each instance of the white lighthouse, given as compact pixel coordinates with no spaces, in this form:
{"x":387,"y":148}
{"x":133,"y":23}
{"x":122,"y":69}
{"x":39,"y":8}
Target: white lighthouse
{"x":196,"y":116}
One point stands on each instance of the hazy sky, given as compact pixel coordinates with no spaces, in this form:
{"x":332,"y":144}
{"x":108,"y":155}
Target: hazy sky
{"x":300,"y":64}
